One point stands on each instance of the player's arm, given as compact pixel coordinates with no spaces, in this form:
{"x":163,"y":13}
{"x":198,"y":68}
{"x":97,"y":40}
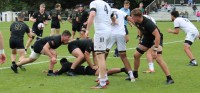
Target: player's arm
{"x":2,"y":55}
{"x":46,"y":19}
{"x":157,"y":38}
{"x":90,"y":20}
{"x":87,"y":58}
{"x":175,"y":31}
{"x":32,"y":19}
{"x":47,"y":48}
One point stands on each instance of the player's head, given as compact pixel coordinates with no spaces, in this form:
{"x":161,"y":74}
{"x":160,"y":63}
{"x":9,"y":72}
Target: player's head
{"x":81,"y":7}
{"x":137,"y":15}
{"x":141,"y":5}
{"x":42,"y":7}
{"x":20,"y":17}
{"x":58,"y":6}
{"x":174,"y":15}
{"x":65,"y":36}
{"x":126,"y":4}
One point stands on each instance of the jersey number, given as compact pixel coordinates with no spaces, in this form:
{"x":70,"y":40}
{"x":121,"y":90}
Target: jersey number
{"x":18,"y":27}
{"x":106,"y":9}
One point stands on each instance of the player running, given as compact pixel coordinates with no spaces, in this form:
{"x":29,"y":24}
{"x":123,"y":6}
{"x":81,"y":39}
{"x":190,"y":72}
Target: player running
{"x":191,"y":34}
{"x":152,"y":39}
{"x":40,"y":19}
{"x":45,"y":46}
{"x":118,"y":38}
{"x":55,"y":20}
{"x":18,"y":29}
{"x":100,"y":13}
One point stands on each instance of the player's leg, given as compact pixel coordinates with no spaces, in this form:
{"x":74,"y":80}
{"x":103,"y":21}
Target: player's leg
{"x":150,"y":62}
{"x":190,"y":37}
{"x":111,"y":42}
{"x":163,"y":65}
{"x":79,"y":57}
{"x":53,"y":31}
{"x":30,"y":40}
{"x":58,"y":31}
{"x":51,"y":64}
{"x":74,"y":29}
{"x":21,"y":53}
{"x":13,"y":56}
{"x":121,"y":45}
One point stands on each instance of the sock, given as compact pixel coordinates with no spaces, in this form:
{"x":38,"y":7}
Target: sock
{"x":106,"y":77}
{"x":103,"y":82}
{"x":194,"y":61}
{"x":116,"y":51}
{"x":13,"y":62}
{"x":71,"y":70}
{"x":26,"y":50}
{"x":15,"y":65}
{"x":122,"y":70}
{"x":130,"y":74}
{"x":151,"y":66}
{"x":169,"y":77}
{"x":50,"y":71}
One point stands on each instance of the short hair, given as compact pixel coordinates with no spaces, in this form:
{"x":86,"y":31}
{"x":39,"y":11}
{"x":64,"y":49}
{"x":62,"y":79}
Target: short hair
{"x":42,"y":5}
{"x":57,"y":5}
{"x":20,"y":15}
{"x":126,"y":2}
{"x":66,"y":33}
{"x":175,"y":13}
{"x":136,"y":12}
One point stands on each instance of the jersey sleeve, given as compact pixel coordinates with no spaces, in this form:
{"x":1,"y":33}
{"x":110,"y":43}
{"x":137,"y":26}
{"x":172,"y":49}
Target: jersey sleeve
{"x":176,"y":24}
{"x":46,"y":16}
{"x":11,"y":26}
{"x":51,"y":43}
{"x":27,"y":29}
{"x":89,"y":48}
{"x":92,"y":6}
{"x":150,"y":26}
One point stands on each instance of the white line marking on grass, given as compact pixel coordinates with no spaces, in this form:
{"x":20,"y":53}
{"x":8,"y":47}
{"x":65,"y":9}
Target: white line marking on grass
{"x":71,"y":57}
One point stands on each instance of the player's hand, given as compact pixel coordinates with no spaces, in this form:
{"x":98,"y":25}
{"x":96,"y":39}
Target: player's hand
{"x":34,"y":20}
{"x":2,"y":58}
{"x":154,"y":54}
{"x":87,"y":33}
{"x":169,"y":30}
{"x":95,"y":67}
{"x":85,"y":23}
{"x":53,"y":59}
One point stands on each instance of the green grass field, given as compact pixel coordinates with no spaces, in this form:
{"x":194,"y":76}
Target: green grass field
{"x":35,"y":81}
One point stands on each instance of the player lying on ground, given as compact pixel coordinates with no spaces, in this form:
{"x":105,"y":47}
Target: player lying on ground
{"x":17,"y":31}
{"x":152,"y":39}
{"x":191,"y":34}
{"x":45,"y":46}
{"x":84,"y":70}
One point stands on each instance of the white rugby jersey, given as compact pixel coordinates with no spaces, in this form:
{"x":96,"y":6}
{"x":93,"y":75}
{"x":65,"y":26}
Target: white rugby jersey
{"x":102,"y":20}
{"x":151,"y":18}
{"x":120,"y":18}
{"x":185,"y":25}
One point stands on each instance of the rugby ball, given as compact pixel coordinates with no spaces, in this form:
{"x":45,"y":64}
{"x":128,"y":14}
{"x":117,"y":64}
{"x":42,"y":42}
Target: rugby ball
{"x":40,"y":26}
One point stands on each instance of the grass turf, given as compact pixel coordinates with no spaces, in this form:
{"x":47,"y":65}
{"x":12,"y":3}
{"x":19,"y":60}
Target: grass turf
{"x":33,"y":80}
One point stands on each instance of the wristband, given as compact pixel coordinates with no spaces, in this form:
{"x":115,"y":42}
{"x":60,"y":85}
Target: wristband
{"x":2,"y":51}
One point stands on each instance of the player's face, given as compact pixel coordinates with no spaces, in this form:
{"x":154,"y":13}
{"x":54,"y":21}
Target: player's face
{"x":172,"y":18}
{"x":80,"y":8}
{"x":126,"y":6}
{"x":42,"y":8}
{"x":66,"y":39}
{"x":136,"y":19}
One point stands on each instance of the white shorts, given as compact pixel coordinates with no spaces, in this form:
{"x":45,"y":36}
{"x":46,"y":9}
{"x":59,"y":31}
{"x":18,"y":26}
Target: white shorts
{"x":34,"y":55}
{"x":191,"y":36}
{"x":119,"y":40}
{"x":101,"y":41}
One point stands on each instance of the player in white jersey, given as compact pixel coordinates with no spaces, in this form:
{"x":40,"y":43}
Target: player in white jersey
{"x":191,"y":34}
{"x":100,"y":13}
{"x":118,"y":38}
{"x":148,"y":54}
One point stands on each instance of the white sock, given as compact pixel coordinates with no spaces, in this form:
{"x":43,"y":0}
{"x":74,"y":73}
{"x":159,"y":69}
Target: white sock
{"x":151,"y":66}
{"x":103,"y":82}
{"x":130,"y":74}
{"x":99,"y":76}
{"x":106,"y":77}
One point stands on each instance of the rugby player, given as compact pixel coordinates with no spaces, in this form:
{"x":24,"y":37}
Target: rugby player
{"x":2,"y":54}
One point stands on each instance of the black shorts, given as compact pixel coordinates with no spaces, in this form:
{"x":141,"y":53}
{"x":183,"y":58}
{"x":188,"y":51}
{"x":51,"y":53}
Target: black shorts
{"x":37,"y":47}
{"x":16,"y":44}
{"x":89,"y":71}
{"x":76,"y":27}
{"x":55,"y":25}
{"x":38,"y":32}
{"x":71,"y":48}
{"x":147,"y":42}
{"x":126,"y":29}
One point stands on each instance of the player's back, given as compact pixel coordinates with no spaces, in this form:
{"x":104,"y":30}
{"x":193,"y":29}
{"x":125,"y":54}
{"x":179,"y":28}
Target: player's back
{"x":151,"y":18}
{"x":184,"y":24}
{"x":120,"y":17}
{"x":18,"y":30}
{"x":102,"y":21}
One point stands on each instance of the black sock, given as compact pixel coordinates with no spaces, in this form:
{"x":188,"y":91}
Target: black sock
{"x":135,"y":71}
{"x":71,"y":70}
{"x":50,"y":71}
{"x":13,"y":62}
{"x":26,"y":50}
{"x":15,"y":65}
{"x":123,"y":69}
{"x":169,"y":77}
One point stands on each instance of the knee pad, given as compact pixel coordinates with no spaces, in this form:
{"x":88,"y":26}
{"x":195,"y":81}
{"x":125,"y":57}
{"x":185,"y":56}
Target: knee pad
{"x":140,"y":51}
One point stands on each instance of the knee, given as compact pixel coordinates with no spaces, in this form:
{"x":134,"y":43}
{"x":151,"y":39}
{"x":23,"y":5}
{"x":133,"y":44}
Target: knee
{"x":53,"y":62}
{"x":81,"y":56}
{"x":186,"y":47}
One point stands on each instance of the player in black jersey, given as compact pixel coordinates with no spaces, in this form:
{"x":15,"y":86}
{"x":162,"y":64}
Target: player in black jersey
{"x":18,"y":29}
{"x":151,"y":39}
{"x":73,"y":19}
{"x":84,"y":70}
{"x":38,"y":17}
{"x":45,"y":46}
{"x":81,"y":49}
{"x":55,"y":20}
